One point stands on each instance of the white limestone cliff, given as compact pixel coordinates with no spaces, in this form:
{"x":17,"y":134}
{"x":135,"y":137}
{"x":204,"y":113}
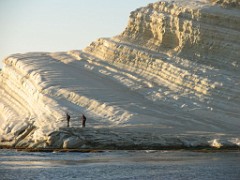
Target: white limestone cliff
{"x":171,"y":79}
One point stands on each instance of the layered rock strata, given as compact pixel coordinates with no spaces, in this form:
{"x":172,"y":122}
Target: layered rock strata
{"x":171,"y":79}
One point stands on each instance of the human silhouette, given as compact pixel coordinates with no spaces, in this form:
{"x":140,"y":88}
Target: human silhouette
{"x":83,"y":120}
{"x":68,"y":119}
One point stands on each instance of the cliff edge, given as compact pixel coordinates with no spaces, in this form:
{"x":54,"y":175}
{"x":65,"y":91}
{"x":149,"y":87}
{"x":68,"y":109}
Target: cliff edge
{"x":170,"y":79}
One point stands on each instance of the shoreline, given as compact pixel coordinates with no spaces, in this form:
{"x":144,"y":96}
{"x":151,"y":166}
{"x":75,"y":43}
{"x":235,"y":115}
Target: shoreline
{"x":202,"y":149}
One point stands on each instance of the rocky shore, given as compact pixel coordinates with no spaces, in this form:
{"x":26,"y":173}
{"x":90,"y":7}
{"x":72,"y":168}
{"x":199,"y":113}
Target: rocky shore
{"x":171,"y":80}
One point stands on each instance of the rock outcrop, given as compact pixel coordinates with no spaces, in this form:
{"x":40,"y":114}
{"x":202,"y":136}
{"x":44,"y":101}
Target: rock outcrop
{"x":170,"y":79}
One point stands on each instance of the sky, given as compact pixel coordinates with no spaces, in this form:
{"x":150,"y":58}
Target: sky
{"x":60,"y":25}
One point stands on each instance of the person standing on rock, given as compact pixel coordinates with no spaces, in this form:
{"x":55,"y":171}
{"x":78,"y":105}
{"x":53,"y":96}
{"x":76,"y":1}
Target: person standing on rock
{"x":83,"y":120}
{"x":68,"y":119}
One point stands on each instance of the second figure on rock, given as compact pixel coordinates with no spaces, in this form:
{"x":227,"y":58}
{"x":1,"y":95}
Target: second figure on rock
{"x":83,"y":118}
{"x":68,"y":119}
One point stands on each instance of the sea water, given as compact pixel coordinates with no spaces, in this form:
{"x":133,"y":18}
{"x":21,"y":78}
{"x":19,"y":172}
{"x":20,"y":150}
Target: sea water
{"x":120,"y":165}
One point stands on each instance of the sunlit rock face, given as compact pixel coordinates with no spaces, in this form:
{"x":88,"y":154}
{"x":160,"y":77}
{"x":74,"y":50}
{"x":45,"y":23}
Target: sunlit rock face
{"x":170,"y":79}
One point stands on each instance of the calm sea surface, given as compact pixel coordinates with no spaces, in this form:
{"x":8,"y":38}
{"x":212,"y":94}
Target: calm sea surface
{"x":120,"y":165}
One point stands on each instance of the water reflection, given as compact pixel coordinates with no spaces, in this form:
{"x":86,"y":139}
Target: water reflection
{"x":120,"y":165}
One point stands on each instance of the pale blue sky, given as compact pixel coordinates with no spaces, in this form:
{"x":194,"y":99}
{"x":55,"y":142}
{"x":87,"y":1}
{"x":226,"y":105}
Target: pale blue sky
{"x":60,"y":25}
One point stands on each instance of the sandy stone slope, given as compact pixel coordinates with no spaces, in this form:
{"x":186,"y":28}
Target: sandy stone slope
{"x":170,"y":79}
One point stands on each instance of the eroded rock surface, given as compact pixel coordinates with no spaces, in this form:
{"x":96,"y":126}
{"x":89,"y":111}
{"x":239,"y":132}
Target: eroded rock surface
{"x":172,"y":78}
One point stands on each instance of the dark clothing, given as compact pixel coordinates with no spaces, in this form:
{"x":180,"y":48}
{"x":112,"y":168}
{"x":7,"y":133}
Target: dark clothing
{"x":83,"y":120}
{"x":68,"y":119}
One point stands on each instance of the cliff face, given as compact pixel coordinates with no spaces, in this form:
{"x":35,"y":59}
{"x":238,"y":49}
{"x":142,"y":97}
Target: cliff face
{"x":172,"y":75}
{"x":194,"y":30}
